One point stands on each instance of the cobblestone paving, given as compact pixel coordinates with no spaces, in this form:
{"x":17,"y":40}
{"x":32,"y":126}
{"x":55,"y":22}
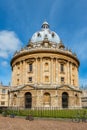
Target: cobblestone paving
{"x":7,"y":123}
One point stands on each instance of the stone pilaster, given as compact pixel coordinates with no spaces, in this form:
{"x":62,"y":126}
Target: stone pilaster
{"x":41,"y":70}
{"x":76,"y":77}
{"x":21,"y":72}
{"x":51,"y":70}
{"x":12,"y":81}
{"x":71,"y":82}
{"x":15,"y":80}
{"x":24,"y":72}
{"x":54,"y":70}
{"x":56,"y":98}
{"x":36,"y":71}
{"x":39,"y":98}
{"x":57,"y":72}
{"x":69,"y":73}
{"x":59,"y":100}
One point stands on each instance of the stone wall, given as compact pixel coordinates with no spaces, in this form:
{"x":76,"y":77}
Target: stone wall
{"x":55,"y":96}
{"x":21,"y":74}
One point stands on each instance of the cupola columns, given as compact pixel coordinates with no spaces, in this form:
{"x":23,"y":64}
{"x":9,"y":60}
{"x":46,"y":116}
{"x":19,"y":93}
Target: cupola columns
{"x":45,"y":25}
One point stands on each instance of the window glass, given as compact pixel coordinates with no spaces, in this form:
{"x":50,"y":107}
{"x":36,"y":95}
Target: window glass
{"x":30,"y":79}
{"x":3,"y":91}
{"x":2,"y":103}
{"x":62,"y":67}
{"x":30,"y":67}
{"x":62,"y":79}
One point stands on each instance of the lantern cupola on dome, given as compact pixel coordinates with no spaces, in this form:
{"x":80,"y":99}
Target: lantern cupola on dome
{"x":45,"y":32}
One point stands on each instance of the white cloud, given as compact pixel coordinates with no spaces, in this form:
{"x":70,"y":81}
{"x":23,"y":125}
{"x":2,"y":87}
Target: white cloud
{"x":3,"y":54}
{"x":4,"y":63}
{"x":9,"y":43}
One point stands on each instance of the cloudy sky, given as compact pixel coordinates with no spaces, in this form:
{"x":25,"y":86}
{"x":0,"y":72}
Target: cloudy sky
{"x":19,"y":19}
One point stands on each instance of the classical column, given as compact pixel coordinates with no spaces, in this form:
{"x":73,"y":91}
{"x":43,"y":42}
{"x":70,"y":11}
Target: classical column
{"x":56,"y":71}
{"x":68,"y":73}
{"x":41,"y":70}
{"x":21,"y":72}
{"x":24,"y":72}
{"x":71,"y":73}
{"x":76,"y":77}
{"x":12,"y":81}
{"x":15,"y":75}
{"x":51,"y":70}
{"x":36,"y":71}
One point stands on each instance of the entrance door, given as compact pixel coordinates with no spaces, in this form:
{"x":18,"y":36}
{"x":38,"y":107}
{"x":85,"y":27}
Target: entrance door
{"x":28,"y":100}
{"x":65,"y":100}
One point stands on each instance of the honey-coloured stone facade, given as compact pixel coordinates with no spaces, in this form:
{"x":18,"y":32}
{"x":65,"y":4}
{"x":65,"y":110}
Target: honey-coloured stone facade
{"x":45,"y":73}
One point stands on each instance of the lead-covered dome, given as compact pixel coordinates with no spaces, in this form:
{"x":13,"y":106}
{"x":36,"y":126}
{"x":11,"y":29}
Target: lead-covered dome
{"x":45,"y":33}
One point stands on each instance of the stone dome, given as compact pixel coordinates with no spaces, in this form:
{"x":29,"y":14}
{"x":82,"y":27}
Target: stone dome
{"x":45,"y":33}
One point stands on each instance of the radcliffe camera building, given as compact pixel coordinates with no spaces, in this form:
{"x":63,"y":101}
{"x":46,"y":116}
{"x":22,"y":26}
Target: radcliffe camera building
{"x":45,"y":73}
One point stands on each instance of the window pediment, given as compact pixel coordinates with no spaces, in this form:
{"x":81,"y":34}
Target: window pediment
{"x":62,"y":61}
{"x":30,"y":60}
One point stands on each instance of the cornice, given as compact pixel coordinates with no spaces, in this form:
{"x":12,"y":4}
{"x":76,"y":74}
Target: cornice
{"x":44,"y":50}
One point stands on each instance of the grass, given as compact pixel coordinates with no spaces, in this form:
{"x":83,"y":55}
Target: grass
{"x":52,"y":113}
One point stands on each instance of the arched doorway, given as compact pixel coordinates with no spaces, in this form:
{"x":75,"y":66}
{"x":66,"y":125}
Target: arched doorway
{"x":65,"y":100}
{"x":28,"y":100}
{"x":46,"y":99}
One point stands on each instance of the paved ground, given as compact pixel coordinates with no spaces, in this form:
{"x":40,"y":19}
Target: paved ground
{"x":7,"y":123}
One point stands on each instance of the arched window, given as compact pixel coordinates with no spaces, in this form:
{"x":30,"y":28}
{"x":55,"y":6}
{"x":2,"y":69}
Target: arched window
{"x":15,"y":95}
{"x":53,"y":34}
{"x":46,"y":78}
{"x":38,"y":34}
{"x":46,"y":66}
{"x":30,"y":79}
{"x":45,"y":35}
{"x":65,"y":98}
{"x":61,"y":67}
{"x":30,"y":67}
{"x":28,"y":100}
{"x":46,"y":99}
{"x":62,"y":79}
